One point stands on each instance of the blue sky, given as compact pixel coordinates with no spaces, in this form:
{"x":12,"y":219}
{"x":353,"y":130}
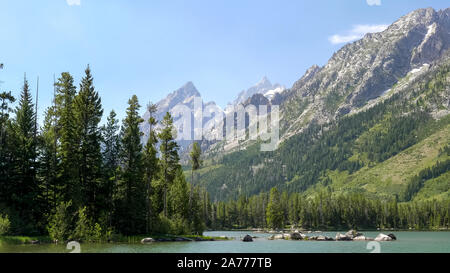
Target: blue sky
{"x":150,"y":48}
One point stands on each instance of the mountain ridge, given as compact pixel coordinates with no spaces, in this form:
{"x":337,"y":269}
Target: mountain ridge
{"x":391,"y":90}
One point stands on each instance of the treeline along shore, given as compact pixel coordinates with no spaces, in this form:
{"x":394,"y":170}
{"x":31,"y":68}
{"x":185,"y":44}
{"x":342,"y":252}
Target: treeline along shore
{"x":71,"y":178}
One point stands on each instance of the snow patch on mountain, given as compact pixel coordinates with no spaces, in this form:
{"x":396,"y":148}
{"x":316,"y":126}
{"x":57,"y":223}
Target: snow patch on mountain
{"x":271,"y":93}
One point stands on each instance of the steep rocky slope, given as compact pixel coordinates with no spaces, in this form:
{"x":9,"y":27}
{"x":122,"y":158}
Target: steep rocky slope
{"x":364,"y":70}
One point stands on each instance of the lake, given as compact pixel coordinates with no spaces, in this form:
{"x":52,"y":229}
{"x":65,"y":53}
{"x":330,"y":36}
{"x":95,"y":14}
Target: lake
{"x":407,"y":242}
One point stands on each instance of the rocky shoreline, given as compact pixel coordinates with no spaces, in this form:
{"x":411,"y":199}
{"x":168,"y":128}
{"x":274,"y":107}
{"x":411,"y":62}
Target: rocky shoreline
{"x":351,"y":235}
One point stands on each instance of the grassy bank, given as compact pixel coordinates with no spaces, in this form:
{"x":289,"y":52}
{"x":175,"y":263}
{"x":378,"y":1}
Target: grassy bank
{"x":134,"y":239}
{"x":164,"y":237}
{"x":24,"y":239}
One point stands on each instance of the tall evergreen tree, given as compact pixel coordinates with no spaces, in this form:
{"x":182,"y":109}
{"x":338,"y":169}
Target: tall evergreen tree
{"x":25,"y":190}
{"x":197,"y":221}
{"x":66,"y":135}
{"x":196,"y":163}
{"x":131,"y":192}
{"x":274,"y":210}
{"x":111,"y":158}
{"x":150,"y":164}
{"x":178,"y":199}
{"x":50,"y":189}
{"x":169,"y":161}
{"x":88,"y":113}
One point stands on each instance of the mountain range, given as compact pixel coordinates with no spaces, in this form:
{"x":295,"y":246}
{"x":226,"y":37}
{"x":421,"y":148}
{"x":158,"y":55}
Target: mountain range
{"x":184,"y":97}
{"x":374,"y":119}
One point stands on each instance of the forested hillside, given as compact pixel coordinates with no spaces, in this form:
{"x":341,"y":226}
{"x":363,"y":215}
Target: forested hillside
{"x":382,"y":150}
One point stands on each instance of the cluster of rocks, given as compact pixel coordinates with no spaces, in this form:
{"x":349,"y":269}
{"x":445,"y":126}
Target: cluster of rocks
{"x":351,"y":235}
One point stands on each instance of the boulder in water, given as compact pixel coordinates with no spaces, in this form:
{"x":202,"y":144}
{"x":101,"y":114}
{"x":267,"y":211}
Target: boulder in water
{"x":362,"y":238}
{"x":278,"y":237}
{"x":297,"y":236}
{"x":343,"y":237}
{"x":392,"y":236}
{"x":353,"y":233}
{"x":323,"y":238}
{"x":147,"y":240}
{"x":383,"y":237}
{"x":247,"y":238}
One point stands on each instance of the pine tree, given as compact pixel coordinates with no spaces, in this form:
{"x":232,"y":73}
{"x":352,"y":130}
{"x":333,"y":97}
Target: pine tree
{"x":111,"y":160}
{"x":50,"y":189}
{"x":169,"y":161}
{"x":274,"y":210}
{"x":25,"y":190}
{"x":66,"y":135}
{"x":150,"y":164}
{"x":60,"y":223}
{"x":131,"y":188}
{"x":196,"y":163}
{"x":197,"y":223}
{"x":88,"y":113}
{"x":178,"y":196}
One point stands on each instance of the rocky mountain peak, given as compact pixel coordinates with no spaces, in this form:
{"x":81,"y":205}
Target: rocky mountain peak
{"x":265,"y":82}
{"x":187,"y":90}
{"x":311,"y":72}
{"x":178,"y":96}
{"x":363,"y":70}
{"x":262,"y":87}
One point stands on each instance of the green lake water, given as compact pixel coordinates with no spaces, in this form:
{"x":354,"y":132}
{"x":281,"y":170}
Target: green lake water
{"x":407,"y":242}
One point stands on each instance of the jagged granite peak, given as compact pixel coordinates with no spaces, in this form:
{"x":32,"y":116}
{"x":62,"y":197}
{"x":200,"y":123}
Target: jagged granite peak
{"x":178,"y":96}
{"x":363,"y":70}
{"x":261,"y":87}
{"x":184,"y":96}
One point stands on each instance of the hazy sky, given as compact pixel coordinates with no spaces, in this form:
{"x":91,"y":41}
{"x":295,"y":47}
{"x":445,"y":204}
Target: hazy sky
{"x":150,"y":48}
